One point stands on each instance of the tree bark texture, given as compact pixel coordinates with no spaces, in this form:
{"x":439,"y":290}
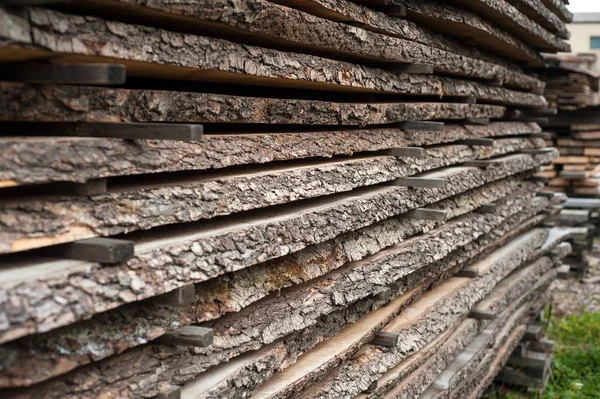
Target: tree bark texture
{"x":277,"y":349}
{"x":251,"y":23}
{"x":32,"y":221}
{"x":371,"y":362}
{"x":488,"y":363}
{"x":408,"y":378}
{"x":155,"y":52}
{"x":539,"y":13}
{"x":379,"y":22}
{"x":559,"y":8}
{"x":174,"y":55}
{"x":234,"y":292}
{"x":495,"y":361}
{"x":51,"y":103}
{"x":199,"y":253}
{"x":43,"y":160}
{"x":488,"y":36}
{"x":515,"y":22}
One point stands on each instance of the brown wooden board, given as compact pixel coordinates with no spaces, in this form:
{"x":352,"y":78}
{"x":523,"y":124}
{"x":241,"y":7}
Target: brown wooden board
{"x":166,"y":199}
{"x":150,"y":245}
{"x":84,"y":103}
{"x":96,"y":158}
{"x":237,"y":63}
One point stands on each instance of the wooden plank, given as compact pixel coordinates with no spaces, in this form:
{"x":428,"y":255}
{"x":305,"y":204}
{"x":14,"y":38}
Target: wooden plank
{"x":538,"y":150}
{"x":192,"y":107}
{"x":423,"y":69}
{"x":483,"y":142}
{"x":332,"y":40}
{"x":423,"y":182}
{"x":514,"y":21}
{"x":419,"y":369}
{"x":573,"y":174}
{"x":386,"y":339}
{"x":523,"y":215}
{"x":99,"y":249}
{"x":166,"y":199}
{"x":103,"y":157}
{"x":335,"y":347}
{"x":394,"y":26}
{"x":407,"y":152}
{"x":426,"y":214}
{"x":481,"y":314}
{"x":544,"y":345}
{"x":582,"y":203}
{"x":136,"y":131}
{"x":484,"y":164}
{"x":487,"y":208}
{"x":458,"y":23}
{"x":193,"y":336}
{"x":476,"y":121}
{"x":422,"y":126}
{"x":530,"y":359}
{"x":485,"y":265}
{"x":72,"y":74}
{"x":534,"y":333}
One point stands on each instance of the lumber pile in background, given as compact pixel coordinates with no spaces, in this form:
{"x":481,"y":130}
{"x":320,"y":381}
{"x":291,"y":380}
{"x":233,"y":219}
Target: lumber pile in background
{"x":575,"y":131}
{"x":272,"y":199}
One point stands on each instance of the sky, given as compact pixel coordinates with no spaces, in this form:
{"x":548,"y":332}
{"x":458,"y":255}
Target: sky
{"x":584,"y":5}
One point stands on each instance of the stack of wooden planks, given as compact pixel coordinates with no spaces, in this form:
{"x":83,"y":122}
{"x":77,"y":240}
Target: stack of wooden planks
{"x":569,"y":86}
{"x":272,"y":199}
{"x":530,"y":364}
{"x":583,"y":213}
{"x":574,"y":130}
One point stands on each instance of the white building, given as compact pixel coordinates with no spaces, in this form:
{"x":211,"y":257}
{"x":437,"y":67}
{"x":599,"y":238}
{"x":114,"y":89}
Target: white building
{"x":585,"y":35}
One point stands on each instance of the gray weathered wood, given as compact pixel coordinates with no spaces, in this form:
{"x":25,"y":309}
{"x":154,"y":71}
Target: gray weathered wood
{"x":467,"y":273}
{"x":99,"y":249}
{"x":72,"y":74}
{"x":538,"y":150}
{"x":481,"y":314}
{"x":424,"y":69}
{"x":476,"y":121}
{"x":422,"y":125}
{"x":408,"y":152}
{"x":534,"y":333}
{"x":530,"y":359}
{"x":479,"y":142}
{"x":194,"y":336}
{"x":478,"y":164}
{"x":136,"y":131}
{"x":544,"y":345}
{"x":583,"y":203}
{"x":423,"y":182}
{"x":427,"y":214}
{"x":487,"y":208}
{"x":386,"y":339}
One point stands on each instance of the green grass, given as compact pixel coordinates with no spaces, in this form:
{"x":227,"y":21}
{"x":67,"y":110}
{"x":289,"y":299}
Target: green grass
{"x":576,"y":368}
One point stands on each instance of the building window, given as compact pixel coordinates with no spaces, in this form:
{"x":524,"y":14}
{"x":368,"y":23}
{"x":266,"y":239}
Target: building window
{"x":595,"y":42}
